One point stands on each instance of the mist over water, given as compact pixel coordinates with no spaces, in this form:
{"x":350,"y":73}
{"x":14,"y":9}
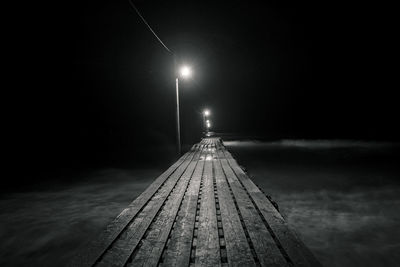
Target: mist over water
{"x":341,"y":197}
{"x":47,"y":227}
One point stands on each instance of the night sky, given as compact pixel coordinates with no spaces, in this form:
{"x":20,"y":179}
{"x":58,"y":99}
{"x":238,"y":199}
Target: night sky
{"x":87,"y":83}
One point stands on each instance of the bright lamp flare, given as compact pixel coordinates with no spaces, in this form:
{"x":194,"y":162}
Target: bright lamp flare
{"x":186,"y":71}
{"x":206,"y":112}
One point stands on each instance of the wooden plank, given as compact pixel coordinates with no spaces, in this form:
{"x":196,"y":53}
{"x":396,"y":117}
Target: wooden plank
{"x":93,"y":251}
{"x":120,"y":251}
{"x":264,"y":246}
{"x":298,"y":253}
{"x":203,"y":211}
{"x":177,"y":252}
{"x":207,"y":249}
{"x":238,"y":250}
{"x":153,"y":245}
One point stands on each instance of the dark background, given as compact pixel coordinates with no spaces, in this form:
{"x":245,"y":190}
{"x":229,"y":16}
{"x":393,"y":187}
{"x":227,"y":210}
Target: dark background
{"x":86,"y":83}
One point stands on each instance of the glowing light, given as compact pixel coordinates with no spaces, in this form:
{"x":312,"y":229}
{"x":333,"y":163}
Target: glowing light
{"x":206,"y":112}
{"x":186,"y":72}
{"x":209,"y":157}
{"x":208,"y":124}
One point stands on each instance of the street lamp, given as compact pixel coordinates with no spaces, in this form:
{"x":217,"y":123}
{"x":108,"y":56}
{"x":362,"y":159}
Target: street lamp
{"x":206,"y":113}
{"x":184,"y":72}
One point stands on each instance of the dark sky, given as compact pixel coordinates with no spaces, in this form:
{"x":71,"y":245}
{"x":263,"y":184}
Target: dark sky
{"x":88,"y":82}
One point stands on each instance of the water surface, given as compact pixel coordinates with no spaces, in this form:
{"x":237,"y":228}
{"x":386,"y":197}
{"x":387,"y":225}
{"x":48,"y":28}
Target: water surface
{"x":341,"y":197}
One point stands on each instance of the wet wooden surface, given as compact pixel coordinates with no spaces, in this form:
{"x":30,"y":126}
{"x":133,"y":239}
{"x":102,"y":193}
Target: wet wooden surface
{"x":203,"y":211}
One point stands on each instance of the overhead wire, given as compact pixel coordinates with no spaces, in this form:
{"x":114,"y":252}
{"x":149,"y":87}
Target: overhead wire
{"x":148,"y":26}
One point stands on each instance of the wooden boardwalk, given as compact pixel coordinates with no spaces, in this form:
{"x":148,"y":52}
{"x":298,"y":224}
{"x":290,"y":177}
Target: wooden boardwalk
{"x":203,"y":211}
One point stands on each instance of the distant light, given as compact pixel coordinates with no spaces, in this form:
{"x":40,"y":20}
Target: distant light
{"x":206,"y":112}
{"x":208,"y":121}
{"x":186,"y":72}
{"x":208,"y":125}
{"x":209,"y":157}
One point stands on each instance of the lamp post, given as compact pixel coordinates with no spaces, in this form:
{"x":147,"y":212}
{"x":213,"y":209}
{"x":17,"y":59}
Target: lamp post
{"x":208,"y":125}
{"x":206,"y":113}
{"x":184,"y":72}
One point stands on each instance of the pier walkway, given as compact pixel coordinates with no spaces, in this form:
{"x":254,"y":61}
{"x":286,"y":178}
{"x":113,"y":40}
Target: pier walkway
{"x":203,"y":211}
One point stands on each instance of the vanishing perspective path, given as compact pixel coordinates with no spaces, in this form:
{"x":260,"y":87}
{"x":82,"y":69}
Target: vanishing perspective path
{"x":203,"y":211}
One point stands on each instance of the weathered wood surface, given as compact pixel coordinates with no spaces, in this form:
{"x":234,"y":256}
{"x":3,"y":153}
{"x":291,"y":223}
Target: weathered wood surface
{"x":203,"y":211}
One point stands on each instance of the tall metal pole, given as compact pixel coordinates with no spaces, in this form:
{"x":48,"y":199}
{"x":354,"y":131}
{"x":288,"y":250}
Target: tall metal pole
{"x":178,"y":127}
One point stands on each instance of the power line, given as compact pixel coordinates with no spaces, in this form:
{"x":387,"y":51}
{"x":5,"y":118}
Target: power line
{"x":148,"y":26}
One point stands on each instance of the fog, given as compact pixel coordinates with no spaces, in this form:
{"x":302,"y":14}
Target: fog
{"x":341,"y":197}
{"x":47,"y":227}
